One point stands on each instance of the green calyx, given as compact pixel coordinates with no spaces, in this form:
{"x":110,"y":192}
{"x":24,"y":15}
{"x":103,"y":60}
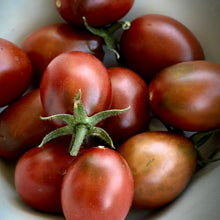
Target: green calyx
{"x":107,"y":34}
{"x":79,"y":125}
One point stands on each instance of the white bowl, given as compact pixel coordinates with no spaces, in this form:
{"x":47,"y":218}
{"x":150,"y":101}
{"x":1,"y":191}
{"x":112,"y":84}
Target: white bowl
{"x":201,"y":199}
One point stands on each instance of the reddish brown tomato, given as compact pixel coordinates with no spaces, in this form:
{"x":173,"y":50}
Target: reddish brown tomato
{"x":69,"y":72}
{"x":128,"y":89}
{"x":187,"y":95}
{"x":97,"y":12}
{"x":46,"y":43}
{"x":39,"y":173}
{"x":15,"y":72}
{"x":98,"y":185}
{"x":162,"y":164}
{"x":21,"y":127}
{"x":155,"y":41}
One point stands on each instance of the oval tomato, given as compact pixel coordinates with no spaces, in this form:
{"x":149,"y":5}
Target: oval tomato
{"x":46,"y":43}
{"x":39,"y":173}
{"x":21,"y":127}
{"x":155,"y":41}
{"x":128,"y":89}
{"x":15,"y":72}
{"x":162,"y":164}
{"x":187,"y":95}
{"x":68,"y":73}
{"x":97,"y":13}
{"x":98,"y":185}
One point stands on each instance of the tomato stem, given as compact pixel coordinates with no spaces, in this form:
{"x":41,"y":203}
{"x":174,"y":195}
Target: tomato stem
{"x":79,"y":125}
{"x":107,"y":34}
{"x":77,"y":139}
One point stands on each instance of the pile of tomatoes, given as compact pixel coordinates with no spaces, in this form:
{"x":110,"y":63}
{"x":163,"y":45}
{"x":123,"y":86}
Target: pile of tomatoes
{"x":55,"y":86}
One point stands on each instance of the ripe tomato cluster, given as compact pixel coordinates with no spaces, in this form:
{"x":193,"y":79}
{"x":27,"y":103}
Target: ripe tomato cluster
{"x":79,"y":131}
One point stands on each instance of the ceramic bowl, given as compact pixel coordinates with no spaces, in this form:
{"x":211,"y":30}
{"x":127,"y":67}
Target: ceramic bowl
{"x":201,"y":199}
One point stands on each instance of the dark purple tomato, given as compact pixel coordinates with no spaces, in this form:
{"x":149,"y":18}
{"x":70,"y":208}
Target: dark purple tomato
{"x":128,"y":89}
{"x":155,"y":41}
{"x":98,"y":185}
{"x":66,"y":75}
{"x":39,"y":173}
{"x":21,"y":127}
{"x":15,"y":72}
{"x":162,"y":164}
{"x":97,"y":12}
{"x":187,"y":95}
{"x":46,"y":43}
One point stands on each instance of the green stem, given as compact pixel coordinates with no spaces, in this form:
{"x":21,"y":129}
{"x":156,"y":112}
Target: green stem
{"x":107,"y":34}
{"x":81,"y":131}
{"x":125,"y":25}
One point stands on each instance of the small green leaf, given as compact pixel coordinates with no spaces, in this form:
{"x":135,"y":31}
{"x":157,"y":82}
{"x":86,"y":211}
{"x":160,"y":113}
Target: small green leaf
{"x":103,"y":135}
{"x":95,"y":119}
{"x":66,"y":130}
{"x":67,"y":118}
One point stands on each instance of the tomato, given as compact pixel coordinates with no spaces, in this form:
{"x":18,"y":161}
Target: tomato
{"x":15,"y":72}
{"x":187,"y":95}
{"x":97,"y":13}
{"x":97,"y":185}
{"x":46,"y":43}
{"x":39,"y":173}
{"x":155,"y":41}
{"x":128,"y":89}
{"x":68,"y":73}
{"x":21,"y":127}
{"x":162,"y":164}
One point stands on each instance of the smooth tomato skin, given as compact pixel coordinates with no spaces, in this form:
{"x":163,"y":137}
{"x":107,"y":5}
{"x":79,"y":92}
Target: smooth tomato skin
{"x":98,"y":185}
{"x":68,"y":73}
{"x":45,"y":43}
{"x":162,"y":164}
{"x":128,"y":89}
{"x":98,"y":13}
{"x":15,"y":72}
{"x":21,"y":127}
{"x":156,"y":41}
{"x":187,"y":95}
{"x":39,"y":173}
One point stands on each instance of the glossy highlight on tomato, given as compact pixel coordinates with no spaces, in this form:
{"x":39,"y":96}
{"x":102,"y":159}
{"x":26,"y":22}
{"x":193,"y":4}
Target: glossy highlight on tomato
{"x":66,"y":75}
{"x":162,"y":164}
{"x":39,"y":173}
{"x":97,"y":13}
{"x":187,"y":95}
{"x":98,"y":185}
{"x":15,"y":72}
{"x":156,"y":41}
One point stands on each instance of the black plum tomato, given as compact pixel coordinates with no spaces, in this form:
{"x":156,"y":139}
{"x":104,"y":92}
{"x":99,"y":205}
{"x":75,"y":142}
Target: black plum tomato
{"x":68,"y":73}
{"x":156,"y":41}
{"x":15,"y":72}
{"x":45,"y":43}
{"x":21,"y":127}
{"x":97,"y":12}
{"x":39,"y":173}
{"x":128,"y":89}
{"x":98,"y":185}
{"x":162,"y":164}
{"x":187,"y":95}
